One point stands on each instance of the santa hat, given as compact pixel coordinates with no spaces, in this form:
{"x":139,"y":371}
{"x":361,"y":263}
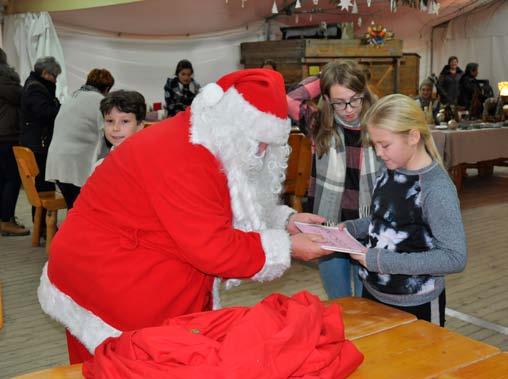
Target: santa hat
{"x":258,"y":93}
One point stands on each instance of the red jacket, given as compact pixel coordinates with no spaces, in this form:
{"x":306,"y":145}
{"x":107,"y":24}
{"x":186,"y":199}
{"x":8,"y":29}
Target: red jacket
{"x":148,"y":233}
{"x":280,"y":337}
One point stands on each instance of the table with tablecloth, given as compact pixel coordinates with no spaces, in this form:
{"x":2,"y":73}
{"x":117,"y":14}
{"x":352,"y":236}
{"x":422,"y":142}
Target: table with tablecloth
{"x":480,"y":148}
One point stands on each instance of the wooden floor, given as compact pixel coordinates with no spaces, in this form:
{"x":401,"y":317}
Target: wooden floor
{"x":477,"y":298}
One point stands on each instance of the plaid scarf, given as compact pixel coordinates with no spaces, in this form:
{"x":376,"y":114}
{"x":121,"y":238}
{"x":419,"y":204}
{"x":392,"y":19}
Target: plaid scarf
{"x":330,"y":178}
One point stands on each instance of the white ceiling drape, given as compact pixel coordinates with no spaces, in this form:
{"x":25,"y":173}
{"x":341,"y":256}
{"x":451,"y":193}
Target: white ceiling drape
{"x":144,"y":64}
{"x":29,"y":36}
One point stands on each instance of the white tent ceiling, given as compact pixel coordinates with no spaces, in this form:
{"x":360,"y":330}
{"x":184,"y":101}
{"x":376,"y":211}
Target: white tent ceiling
{"x":180,"y":18}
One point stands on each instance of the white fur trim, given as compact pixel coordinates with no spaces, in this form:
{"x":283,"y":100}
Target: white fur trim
{"x":277,"y":247}
{"x":212,"y":93}
{"x":89,"y":329}
{"x":280,"y":216}
{"x":216,"y":303}
{"x":233,"y":111}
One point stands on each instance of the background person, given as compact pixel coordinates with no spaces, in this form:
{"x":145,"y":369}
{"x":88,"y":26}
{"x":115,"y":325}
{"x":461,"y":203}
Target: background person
{"x":10,"y":97}
{"x":78,"y":138}
{"x":39,"y":108}
{"x":181,"y":89}
{"x":448,"y":82}
{"x":425,"y":101}
{"x":469,"y":87}
{"x":124,"y":114}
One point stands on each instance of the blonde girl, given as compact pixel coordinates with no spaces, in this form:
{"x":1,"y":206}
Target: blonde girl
{"x":415,"y":232}
{"x":343,"y":169}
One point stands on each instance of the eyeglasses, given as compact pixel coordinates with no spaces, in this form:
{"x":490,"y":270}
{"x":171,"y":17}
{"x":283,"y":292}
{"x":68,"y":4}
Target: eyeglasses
{"x":354,"y":102}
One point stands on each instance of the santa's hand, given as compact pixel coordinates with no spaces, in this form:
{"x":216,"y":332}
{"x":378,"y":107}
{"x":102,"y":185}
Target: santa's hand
{"x":307,"y":218}
{"x":305,"y":246}
{"x":362,"y":259}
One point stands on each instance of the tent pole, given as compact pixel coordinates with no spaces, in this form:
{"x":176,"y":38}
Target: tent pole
{"x":268,"y":30}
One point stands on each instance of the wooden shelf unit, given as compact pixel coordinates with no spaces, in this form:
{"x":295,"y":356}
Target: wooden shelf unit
{"x":391,"y":71}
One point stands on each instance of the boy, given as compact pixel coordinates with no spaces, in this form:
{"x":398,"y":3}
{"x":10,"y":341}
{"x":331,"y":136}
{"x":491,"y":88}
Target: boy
{"x":124,"y":114}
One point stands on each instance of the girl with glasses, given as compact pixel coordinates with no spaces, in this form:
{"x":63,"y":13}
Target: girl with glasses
{"x":343,"y":170}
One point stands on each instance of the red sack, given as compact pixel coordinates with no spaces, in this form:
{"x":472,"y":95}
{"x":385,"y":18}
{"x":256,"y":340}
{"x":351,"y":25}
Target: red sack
{"x":280,"y":337}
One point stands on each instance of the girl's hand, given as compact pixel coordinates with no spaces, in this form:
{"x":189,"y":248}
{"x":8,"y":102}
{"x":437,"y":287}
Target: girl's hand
{"x":307,"y":218}
{"x":341,"y":226}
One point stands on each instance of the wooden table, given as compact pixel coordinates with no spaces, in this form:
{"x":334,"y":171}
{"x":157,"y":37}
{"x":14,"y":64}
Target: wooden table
{"x":417,"y":350}
{"x":394,"y":344}
{"x":493,"y":367}
{"x":363,"y":317}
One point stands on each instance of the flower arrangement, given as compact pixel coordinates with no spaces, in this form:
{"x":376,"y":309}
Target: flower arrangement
{"x":376,"y":35}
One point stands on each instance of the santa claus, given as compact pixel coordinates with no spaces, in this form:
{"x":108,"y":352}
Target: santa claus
{"x":175,"y":207}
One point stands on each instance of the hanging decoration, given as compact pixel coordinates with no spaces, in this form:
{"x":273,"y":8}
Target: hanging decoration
{"x":344,"y":5}
{"x":359,"y":22}
{"x":298,"y":4}
{"x":376,"y":35}
{"x":423,"y":7}
{"x":315,"y":2}
{"x":243,"y":3}
{"x":355,"y":8}
{"x":434,"y":7}
{"x":274,"y":8}
{"x":394,"y":4}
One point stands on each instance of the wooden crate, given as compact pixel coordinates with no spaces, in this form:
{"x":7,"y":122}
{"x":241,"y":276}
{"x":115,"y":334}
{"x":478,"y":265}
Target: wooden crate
{"x":297,"y":59}
{"x":409,"y":74}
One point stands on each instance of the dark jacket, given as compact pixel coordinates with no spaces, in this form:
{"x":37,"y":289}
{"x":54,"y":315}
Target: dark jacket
{"x":10,"y":96}
{"x":448,"y":85}
{"x":39,"y":108}
{"x":179,"y":96}
{"x":469,"y":88}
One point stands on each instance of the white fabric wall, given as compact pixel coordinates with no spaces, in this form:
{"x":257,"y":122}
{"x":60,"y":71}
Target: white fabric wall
{"x":480,"y":36}
{"x":29,"y":36}
{"x":145,"y":64}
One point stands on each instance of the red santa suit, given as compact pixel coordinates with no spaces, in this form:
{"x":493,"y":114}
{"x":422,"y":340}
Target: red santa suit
{"x":170,"y":210}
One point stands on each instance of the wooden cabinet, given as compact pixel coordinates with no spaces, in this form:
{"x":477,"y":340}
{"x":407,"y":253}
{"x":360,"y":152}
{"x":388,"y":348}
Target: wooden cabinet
{"x":390,"y":70}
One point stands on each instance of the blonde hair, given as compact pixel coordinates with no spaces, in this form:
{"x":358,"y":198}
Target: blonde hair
{"x":400,"y":114}
{"x":350,"y":75}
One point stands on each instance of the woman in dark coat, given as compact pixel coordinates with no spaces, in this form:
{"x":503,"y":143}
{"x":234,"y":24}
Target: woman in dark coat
{"x":39,"y":108}
{"x":10,"y":95}
{"x":469,"y":86}
{"x":448,"y":84}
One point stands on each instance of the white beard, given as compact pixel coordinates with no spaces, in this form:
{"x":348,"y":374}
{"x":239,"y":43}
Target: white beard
{"x":232,"y":131}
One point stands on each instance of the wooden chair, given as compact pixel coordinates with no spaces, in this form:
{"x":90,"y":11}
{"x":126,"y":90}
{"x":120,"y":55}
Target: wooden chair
{"x":298,"y":171}
{"x":49,"y":200}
